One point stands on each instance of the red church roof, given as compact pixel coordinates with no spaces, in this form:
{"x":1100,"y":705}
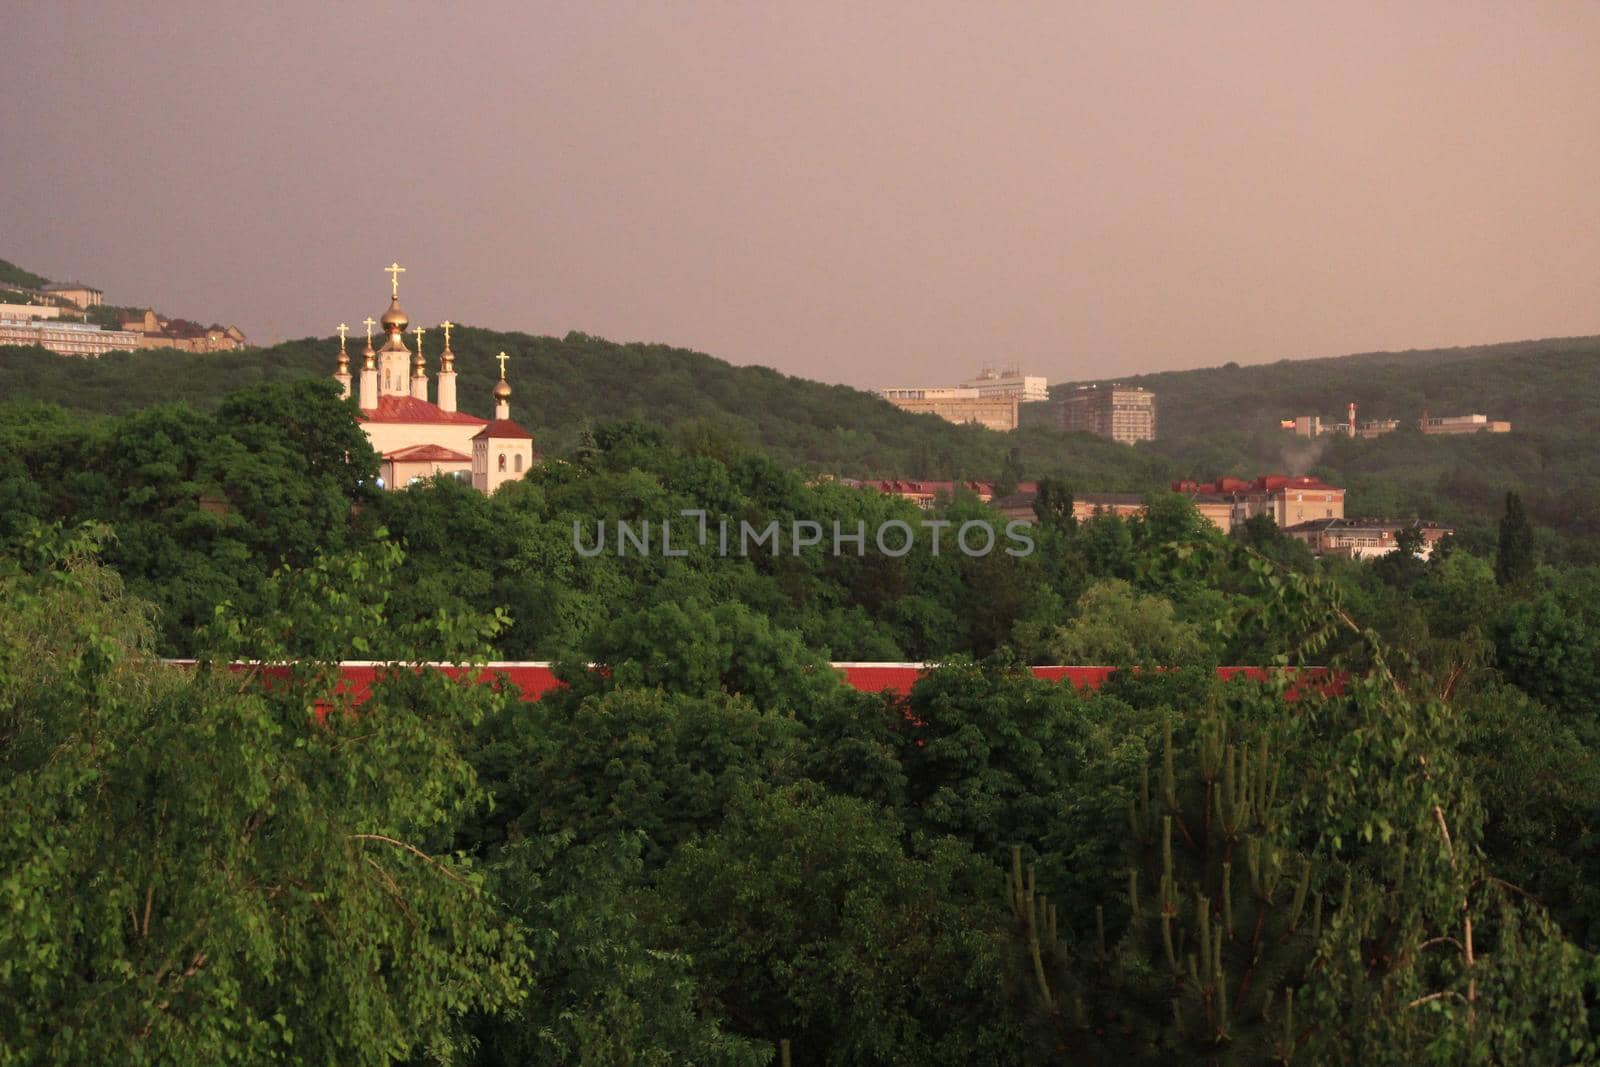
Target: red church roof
{"x":411,"y":410}
{"x":426,"y":454}
{"x":504,"y":429}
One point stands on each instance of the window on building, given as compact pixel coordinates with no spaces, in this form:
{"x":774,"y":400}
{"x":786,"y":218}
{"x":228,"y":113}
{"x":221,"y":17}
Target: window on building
{"x":518,"y":462}
{"x":502,"y":461}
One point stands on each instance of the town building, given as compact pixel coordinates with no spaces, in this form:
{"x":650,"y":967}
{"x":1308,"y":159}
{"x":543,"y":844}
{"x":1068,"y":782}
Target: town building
{"x":80,"y":295}
{"x":1454,"y":424}
{"x":1364,"y":538}
{"x":1010,"y":382}
{"x":958,"y":405}
{"x":1119,"y":412}
{"x":925,"y":494}
{"x":183,"y":335}
{"x":66,"y":338}
{"x":1228,"y":502}
{"x":25,"y":312}
{"x":1313,"y":426}
{"x":416,"y":438}
{"x":1085,"y":506}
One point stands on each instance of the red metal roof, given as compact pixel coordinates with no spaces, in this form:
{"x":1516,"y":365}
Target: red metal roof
{"x":533,"y":679}
{"x":504,"y":429}
{"x":410,"y":409}
{"x":426,"y":454}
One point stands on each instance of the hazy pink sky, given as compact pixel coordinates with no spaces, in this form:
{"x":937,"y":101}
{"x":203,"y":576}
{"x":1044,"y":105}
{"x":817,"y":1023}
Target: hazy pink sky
{"x":871,"y":193}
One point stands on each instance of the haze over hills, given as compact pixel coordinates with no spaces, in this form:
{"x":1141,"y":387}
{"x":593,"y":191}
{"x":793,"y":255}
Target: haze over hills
{"x":1213,"y":421}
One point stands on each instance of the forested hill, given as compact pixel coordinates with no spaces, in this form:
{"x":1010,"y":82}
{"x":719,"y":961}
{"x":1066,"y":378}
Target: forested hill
{"x":1215,"y":421}
{"x":1541,"y":386}
{"x":1224,"y":420}
{"x":562,"y":385}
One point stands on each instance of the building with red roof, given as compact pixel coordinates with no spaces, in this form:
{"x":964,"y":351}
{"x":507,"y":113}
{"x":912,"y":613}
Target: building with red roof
{"x":1289,"y":499}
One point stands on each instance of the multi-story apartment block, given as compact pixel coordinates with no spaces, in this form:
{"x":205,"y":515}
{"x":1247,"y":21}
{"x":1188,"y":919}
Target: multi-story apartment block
{"x":958,"y":405}
{"x":1122,"y":413}
{"x":1010,"y":382}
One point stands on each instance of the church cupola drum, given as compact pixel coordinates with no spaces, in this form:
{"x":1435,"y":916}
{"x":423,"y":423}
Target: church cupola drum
{"x":417,"y":439}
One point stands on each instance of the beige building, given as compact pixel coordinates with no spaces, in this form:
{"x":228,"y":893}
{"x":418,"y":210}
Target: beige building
{"x":24,"y":312}
{"x":925,"y":493}
{"x":67,"y":338}
{"x":1227,"y":502}
{"x":1010,"y":382}
{"x":1122,"y":413}
{"x":419,"y":439}
{"x":185,"y":336}
{"x":83,"y":296}
{"x":1224,"y":503}
{"x":1085,"y":506}
{"x":1451,"y":424}
{"x":958,"y":405}
{"x":1364,"y":538}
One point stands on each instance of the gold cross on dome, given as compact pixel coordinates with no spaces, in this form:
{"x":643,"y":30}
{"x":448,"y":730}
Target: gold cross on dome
{"x":343,"y":329}
{"x":445,"y":326}
{"x":371,"y":322}
{"x":502,"y":357}
{"x":418,"y":332}
{"x":394,"y":271}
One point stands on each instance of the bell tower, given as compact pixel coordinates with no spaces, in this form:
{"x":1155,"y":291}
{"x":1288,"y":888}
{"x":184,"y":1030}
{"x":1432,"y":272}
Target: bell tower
{"x":394,"y":358}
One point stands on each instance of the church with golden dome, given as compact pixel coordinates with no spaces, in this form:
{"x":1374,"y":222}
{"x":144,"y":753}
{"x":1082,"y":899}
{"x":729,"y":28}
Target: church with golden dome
{"x":417,"y":438}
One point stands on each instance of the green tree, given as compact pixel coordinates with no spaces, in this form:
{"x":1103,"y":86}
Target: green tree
{"x":1010,"y":474}
{"x":1052,"y":504}
{"x":1515,"y":562}
{"x":606,"y":991}
{"x":199,"y":872}
{"x":810,"y":920}
{"x":1119,"y":626}
{"x":1220,"y":922}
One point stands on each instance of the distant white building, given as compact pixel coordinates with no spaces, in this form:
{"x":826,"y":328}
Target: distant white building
{"x":1011,"y":383}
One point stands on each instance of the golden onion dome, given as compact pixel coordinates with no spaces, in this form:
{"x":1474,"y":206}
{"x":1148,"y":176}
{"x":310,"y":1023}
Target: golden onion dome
{"x":395,"y":318}
{"x":502,"y":390}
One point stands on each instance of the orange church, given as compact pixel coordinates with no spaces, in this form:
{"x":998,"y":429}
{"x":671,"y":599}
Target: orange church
{"x":418,"y":438}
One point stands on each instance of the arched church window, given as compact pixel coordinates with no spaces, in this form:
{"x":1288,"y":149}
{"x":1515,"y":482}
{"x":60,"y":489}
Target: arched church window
{"x":518,"y":462}
{"x":502,"y":461}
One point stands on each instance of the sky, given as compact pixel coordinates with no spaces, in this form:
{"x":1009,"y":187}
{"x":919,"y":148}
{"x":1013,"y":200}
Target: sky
{"x":880,"y":194}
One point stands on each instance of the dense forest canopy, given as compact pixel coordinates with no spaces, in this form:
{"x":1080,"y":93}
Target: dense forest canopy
{"x":711,"y":851}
